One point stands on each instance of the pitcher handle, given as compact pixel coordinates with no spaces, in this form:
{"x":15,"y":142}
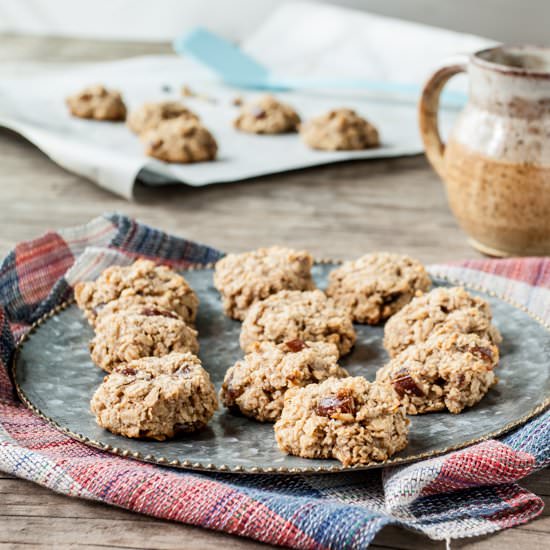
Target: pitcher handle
{"x":428,"y":109}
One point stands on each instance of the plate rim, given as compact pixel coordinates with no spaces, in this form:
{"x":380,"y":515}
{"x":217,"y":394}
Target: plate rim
{"x":281,"y":470}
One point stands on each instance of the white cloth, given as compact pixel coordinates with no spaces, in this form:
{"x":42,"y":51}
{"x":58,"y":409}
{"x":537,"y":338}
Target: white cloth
{"x":319,"y":40}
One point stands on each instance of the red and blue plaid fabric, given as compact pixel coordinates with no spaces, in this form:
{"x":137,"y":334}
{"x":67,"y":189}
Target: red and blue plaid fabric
{"x":462,"y":494}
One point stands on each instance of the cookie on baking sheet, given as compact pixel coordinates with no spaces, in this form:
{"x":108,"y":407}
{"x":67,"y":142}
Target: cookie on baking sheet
{"x":448,"y":371}
{"x":292,"y":314}
{"x":349,"y":419}
{"x":339,"y":130}
{"x":267,"y":116}
{"x":151,"y":114}
{"x":377,"y":285}
{"x":139,"y":331}
{"x":243,"y":279}
{"x":180,"y":140}
{"x":143,"y":282}
{"x":97,"y":102}
{"x":441,"y":310}
{"x":256,"y":385}
{"x":155,"y":397}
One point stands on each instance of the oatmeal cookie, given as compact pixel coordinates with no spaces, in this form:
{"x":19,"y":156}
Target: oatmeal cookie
{"x":97,"y":102}
{"x":448,"y":371}
{"x":267,"y":116}
{"x":155,"y":397}
{"x":150,"y":115}
{"x":243,"y":279}
{"x":377,"y":285}
{"x":349,"y":419}
{"x":180,"y":140}
{"x":257,"y":384}
{"x":291,"y":314}
{"x":442,"y":310}
{"x":140,"y":331}
{"x":339,"y":130}
{"x":142,"y":282}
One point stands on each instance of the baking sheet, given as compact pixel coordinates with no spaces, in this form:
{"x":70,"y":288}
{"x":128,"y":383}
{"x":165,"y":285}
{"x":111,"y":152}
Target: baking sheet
{"x":111,"y":155}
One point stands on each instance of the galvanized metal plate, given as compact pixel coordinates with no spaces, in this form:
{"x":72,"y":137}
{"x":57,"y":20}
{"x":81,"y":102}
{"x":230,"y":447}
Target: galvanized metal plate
{"x":56,"y":378}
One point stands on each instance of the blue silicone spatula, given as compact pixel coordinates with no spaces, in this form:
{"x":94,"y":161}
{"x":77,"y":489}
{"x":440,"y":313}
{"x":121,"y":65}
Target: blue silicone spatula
{"x":239,"y":69}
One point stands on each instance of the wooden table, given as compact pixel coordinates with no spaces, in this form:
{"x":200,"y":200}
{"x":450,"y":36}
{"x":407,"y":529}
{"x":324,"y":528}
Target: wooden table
{"x":337,"y":211}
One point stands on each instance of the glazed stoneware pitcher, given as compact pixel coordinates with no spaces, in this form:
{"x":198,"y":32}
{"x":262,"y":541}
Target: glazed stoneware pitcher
{"x":496,"y":163}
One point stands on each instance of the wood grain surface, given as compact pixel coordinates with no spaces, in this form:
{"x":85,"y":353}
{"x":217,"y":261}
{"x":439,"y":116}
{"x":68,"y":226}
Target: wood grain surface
{"x":336,"y":211}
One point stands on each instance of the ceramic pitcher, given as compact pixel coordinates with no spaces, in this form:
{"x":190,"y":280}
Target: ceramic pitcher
{"x":496,"y":163}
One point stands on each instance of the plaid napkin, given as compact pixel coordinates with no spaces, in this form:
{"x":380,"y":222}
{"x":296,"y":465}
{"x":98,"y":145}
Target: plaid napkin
{"x":462,"y":494}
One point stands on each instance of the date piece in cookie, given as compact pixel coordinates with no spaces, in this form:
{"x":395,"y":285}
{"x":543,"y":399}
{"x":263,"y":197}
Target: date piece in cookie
{"x":267,"y":116}
{"x":150,"y":115}
{"x":447,"y":371}
{"x":243,"y":279}
{"x":256,"y":385}
{"x":155,"y":397}
{"x":378,"y":285}
{"x":339,"y":130}
{"x":142,"y":282}
{"x":442,"y":310}
{"x":97,"y":102}
{"x":140,"y":331}
{"x":180,"y":140}
{"x":291,"y":314}
{"x":349,"y":419}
